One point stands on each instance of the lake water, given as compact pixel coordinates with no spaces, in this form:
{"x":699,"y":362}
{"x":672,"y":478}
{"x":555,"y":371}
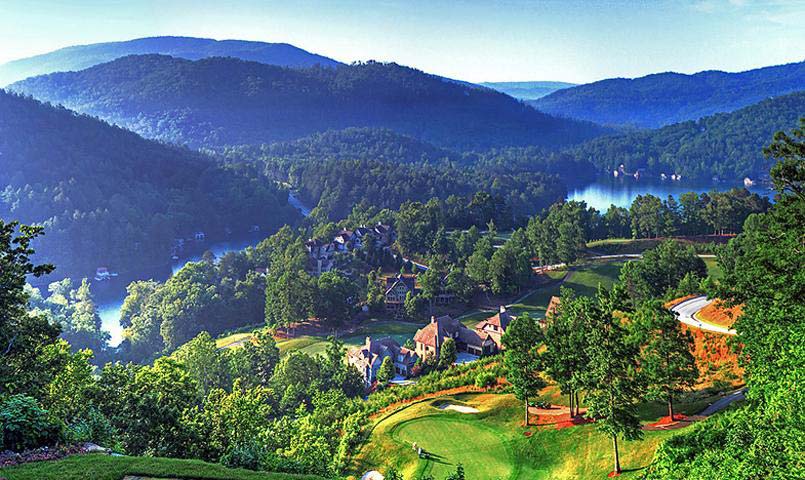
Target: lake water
{"x":109,"y":308}
{"x":622,"y":191}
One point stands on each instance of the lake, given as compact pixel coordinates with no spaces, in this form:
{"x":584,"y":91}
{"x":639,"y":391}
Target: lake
{"x":109,"y":305}
{"x":620,"y":192}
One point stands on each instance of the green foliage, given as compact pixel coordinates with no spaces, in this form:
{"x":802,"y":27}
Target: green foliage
{"x":660,"y":270}
{"x":763,"y":272}
{"x":24,"y":424}
{"x":522,"y":341}
{"x":447,"y":353}
{"x":667,"y":365}
{"x":612,"y":390}
{"x":386,"y":371}
{"x":131,"y":198}
{"x":485,"y":379}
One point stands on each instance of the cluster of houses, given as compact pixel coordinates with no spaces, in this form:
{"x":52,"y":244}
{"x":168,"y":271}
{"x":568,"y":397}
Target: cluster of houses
{"x":486,"y":338}
{"x":321,"y":254}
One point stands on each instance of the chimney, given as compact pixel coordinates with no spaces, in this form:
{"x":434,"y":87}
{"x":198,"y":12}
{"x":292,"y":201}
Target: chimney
{"x":433,"y":319}
{"x":503,"y":309}
{"x":368,"y":342}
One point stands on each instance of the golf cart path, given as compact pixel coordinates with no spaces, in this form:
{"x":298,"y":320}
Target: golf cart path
{"x":686,"y":313}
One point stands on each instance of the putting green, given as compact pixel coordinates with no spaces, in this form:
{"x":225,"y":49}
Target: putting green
{"x":450,"y":440}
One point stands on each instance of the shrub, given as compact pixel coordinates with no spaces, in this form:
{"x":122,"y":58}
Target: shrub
{"x":485,"y":379}
{"x":24,"y":424}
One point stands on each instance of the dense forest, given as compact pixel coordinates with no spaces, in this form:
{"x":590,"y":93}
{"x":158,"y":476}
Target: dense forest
{"x":665,"y":98}
{"x":726,"y":145}
{"x":110,"y":198}
{"x":338,"y":170}
{"x":80,"y":57}
{"x":225,"y":101}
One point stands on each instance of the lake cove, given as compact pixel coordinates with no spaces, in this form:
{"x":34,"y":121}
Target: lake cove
{"x":606,"y":191}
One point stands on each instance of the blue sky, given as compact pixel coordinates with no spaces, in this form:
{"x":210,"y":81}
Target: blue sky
{"x":576,"y":41}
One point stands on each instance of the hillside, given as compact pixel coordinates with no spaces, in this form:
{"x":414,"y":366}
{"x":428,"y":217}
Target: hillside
{"x":527,"y":90}
{"x":338,"y":170}
{"x":85,"y":56}
{"x":665,"y":98}
{"x":223,"y":101}
{"x":726,"y":145}
{"x":110,"y":197}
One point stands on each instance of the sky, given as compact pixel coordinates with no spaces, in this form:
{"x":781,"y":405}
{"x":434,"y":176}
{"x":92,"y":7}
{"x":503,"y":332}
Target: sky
{"x":494,"y":40}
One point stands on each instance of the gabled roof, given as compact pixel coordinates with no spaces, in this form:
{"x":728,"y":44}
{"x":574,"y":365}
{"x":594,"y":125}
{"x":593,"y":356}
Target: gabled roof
{"x":502,"y":319}
{"x":408,"y":280}
{"x":553,"y":306}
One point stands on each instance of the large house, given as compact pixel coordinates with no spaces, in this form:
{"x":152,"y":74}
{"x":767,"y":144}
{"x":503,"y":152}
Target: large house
{"x":496,"y":326}
{"x":397,"y":288}
{"x":430,"y":338}
{"x":485,"y":339}
{"x":368,"y":358}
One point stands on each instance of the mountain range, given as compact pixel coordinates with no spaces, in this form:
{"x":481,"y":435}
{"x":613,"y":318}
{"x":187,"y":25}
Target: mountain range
{"x":223,"y":101}
{"x":527,"y":90}
{"x":726,"y":145}
{"x":108,"y":197}
{"x":84,"y":56}
{"x":665,"y":98}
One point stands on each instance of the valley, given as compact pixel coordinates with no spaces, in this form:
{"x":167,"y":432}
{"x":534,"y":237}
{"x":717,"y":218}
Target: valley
{"x":332,"y":241}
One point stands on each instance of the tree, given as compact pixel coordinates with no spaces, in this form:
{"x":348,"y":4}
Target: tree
{"x":612,"y":390}
{"x":335,"y":296}
{"x":478,"y":262}
{"x":565,"y":357}
{"x":660,"y":270}
{"x":447,"y":353}
{"x":647,"y":213}
{"x":667,"y":365}
{"x":522,"y":341}
{"x":386,"y":371}
{"x":289,"y":299}
{"x":24,"y":338}
{"x":205,"y":363}
{"x":413,"y":305}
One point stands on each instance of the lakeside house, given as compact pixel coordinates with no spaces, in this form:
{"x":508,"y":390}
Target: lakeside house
{"x":430,"y":338}
{"x":397,"y":288}
{"x":368,"y":357}
{"x":494,"y":327}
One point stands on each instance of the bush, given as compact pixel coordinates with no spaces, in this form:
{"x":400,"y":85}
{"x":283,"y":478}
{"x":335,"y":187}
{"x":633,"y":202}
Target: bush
{"x":24,"y":424}
{"x":485,"y":379}
{"x":92,"y":427}
{"x":249,"y":456}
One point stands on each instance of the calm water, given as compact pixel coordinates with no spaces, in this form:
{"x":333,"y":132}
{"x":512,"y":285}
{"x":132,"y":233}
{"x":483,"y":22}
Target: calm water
{"x":622,"y":191}
{"x":109,"y":308}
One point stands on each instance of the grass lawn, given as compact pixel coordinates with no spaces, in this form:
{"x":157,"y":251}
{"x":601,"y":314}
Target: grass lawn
{"x":399,"y":331}
{"x":491,"y":444}
{"x":105,"y":467}
{"x":584,"y":280}
{"x":712,"y":268}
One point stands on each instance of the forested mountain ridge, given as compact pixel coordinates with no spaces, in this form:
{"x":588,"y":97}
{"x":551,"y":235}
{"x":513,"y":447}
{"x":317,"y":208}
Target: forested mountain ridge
{"x":725,"y":145}
{"x":338,"y":170}
{"x":224,"y":101}
{"x":84,"y":56}
{"x":665,"y":98}
{"x":111,"y":198}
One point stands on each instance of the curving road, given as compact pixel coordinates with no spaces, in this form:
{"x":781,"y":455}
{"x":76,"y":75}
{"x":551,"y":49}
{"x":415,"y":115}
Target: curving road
{"x":685,"y":312}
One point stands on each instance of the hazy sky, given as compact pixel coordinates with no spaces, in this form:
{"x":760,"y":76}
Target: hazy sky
{"x":576,"y":41}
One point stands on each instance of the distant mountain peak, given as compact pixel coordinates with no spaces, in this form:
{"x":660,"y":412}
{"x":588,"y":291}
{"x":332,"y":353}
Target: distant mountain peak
{"x":670,"y":97}
{"x":80,"y":57}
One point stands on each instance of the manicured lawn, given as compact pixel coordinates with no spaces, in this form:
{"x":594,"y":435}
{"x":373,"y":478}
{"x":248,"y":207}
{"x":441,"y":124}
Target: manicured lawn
{"x":400,"y":331}
{"x":584,"y":280}
{"x":491,"y":444}
{"x":712,"y":268}
{"x":105,"y":467}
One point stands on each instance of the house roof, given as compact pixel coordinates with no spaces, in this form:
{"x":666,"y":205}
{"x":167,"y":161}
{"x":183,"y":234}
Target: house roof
{"x":375,"y":350}
{"x":408,"y":280}
{"x":435,"y":333}
{"x":553,"y":306}
{"x":502,"y":319}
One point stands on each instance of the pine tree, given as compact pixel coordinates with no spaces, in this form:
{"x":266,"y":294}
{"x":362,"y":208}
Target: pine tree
{"x":522,"y":341}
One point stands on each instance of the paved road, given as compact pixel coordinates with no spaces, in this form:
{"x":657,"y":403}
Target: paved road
{"x":724,"y":402}
{"x":686,"y":310}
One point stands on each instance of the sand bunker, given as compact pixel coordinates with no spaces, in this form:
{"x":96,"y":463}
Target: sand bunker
{"x":458,"y":408}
